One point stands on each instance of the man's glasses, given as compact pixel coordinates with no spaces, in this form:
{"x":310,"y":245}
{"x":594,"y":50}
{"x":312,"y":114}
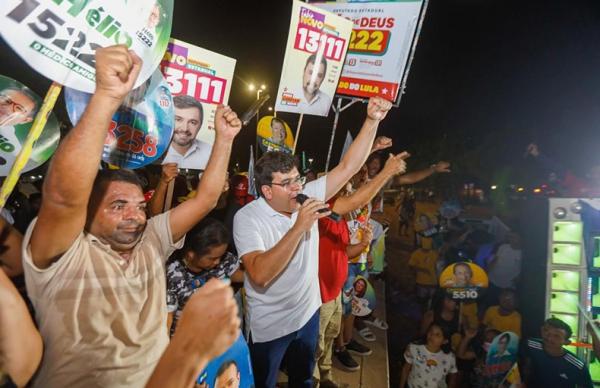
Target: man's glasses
{"x":286,"y":184}
{"x":17,"y":108}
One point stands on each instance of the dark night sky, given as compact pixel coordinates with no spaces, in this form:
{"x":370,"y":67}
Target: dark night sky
{"x":488,"y":75}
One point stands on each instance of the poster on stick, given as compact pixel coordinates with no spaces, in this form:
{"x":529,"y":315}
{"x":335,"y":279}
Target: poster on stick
{"x":314,"y":57}
{"x":199,"y":80}
{"x":274,"y":134}
{"x":18,"y":108}
{"x":59,"y":38}
{"x":379,"y":47}
{"x":231,"y":369}
{"x":140,"y":130}
{"x":463,"y":281}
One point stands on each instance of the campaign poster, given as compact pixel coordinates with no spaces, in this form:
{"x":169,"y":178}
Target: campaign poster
{"x":59,"y":38}
{"x":231,"y":369}
{"x":363,"y":297}
{"x":274,"y":134}
{"x":18,"y":107}
{"x":199,"y":80}
{"x":314,"y":57}
{"x":140,"y":130}
{"x":379,"y":47}
{"x":463,"y":281}
{"x":501,"y":356}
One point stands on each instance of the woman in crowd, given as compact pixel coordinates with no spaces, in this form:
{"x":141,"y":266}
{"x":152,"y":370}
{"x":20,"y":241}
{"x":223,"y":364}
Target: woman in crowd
{"x":203,"y":257}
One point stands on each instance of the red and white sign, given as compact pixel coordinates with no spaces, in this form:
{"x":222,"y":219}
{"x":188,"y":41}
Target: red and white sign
{"x":379,"y":46}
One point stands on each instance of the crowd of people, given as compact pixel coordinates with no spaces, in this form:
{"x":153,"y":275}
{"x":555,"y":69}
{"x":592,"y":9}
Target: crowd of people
{"x":120,"y":292}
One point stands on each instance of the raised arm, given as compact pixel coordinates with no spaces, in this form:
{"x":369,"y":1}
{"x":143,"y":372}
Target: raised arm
{"x":394,"y":165}
{"x":418,"y":176}
{"x":264,"y":266}
{"x":20,"y":342}
{"x":185,"y":216}
{"x":157,"y":202}
{"x":75,"y":164}
{"x":359,"y":149}
{"x":10,"y":249}
{"x":188,"y":353}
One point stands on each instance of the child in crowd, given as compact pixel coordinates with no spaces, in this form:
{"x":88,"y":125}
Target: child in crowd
{"x":423,"y":261}
{"x":203,"y":257}
{"x":475,"y":348}
{"x":504,"y":317}
{"x":429,"y":362}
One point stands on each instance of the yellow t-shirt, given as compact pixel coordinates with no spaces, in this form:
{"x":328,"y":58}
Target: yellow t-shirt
{"x":502,"y":323}
{"x":424,"y":263}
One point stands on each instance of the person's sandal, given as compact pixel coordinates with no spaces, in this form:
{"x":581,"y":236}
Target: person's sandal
{"x":367,"y":334}
{"x":378,"y":323}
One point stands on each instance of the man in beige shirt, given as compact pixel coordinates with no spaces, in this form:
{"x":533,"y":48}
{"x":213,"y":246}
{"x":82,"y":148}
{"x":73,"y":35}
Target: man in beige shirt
{"x":94,"y":265}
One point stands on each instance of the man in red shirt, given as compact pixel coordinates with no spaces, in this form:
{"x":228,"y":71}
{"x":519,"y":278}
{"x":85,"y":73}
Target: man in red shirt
{"x":334,"y":241}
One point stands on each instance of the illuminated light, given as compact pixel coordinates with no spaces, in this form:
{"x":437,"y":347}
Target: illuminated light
{"x":270,"y":108}
{"x":263,"y":86}
{"x":251,"y":87}
{"x":520,"y":189}
{"x":494,"y":187}
{"x":560,"y":212}
{"x":537,"y":190}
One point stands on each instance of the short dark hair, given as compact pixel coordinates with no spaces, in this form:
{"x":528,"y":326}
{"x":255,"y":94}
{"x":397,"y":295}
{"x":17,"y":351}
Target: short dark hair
{"x":276,"y":120}
{"x":206,"y":234}
{"x":184,"y":101}
{"x":313,"y":58}
{"x":29,"y":94}
{"x":224,"y":366}
{"x":103,"y":178}
{"x":559,"y":324}
{"x":270,"y":162}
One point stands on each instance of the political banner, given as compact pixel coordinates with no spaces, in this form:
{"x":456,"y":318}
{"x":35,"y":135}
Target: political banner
{"x":140,"y":130}
{"x":379,"y":46}
{"x":231,"y":369}
{"x":463,"y":281}
{"x":199,"y":80}
{"x":274,"y":134}
{"x":59,"y":38}
{"x":18,"y":108}
{"x":314,"y":57}
{"x":501,"y":357}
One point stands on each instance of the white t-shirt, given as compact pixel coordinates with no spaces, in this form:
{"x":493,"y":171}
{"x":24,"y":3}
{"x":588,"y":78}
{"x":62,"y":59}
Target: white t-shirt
{"x":287,"y":304}
{"x":506,"y":267}
{"x":195,"y":158}
{"x":429,"y":370}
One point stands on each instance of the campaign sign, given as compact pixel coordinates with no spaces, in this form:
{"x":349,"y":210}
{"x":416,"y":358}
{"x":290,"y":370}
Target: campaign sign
{"x":59,"y":38}
{"x":18,"y":108}
{"x":140,"y":130}
{"x":199,"y":80}
{"x":314,"y":57}
{"x":363,"y":297}
{"x":274,"y":134}
{"x":501,"y":356}
{"x":231,"y":369}
{"x":379,"y":46}
{"x":463,"y":281}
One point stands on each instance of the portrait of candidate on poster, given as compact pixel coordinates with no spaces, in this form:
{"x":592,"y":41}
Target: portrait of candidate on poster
{"x":199,"y":81}
{"x":314,"y":57}
{"x":274,"y":134}
{"x":18,"y":108}
{"x":463,"y":280}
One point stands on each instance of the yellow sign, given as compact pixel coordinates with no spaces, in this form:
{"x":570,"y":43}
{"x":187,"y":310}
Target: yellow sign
{"x":274,"y":135}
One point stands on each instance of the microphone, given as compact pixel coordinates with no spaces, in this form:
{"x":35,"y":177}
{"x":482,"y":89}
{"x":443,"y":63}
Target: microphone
{"x":300,"y":198}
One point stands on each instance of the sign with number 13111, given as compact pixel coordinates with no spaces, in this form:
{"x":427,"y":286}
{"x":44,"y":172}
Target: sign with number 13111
{"x":201,"y":74}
